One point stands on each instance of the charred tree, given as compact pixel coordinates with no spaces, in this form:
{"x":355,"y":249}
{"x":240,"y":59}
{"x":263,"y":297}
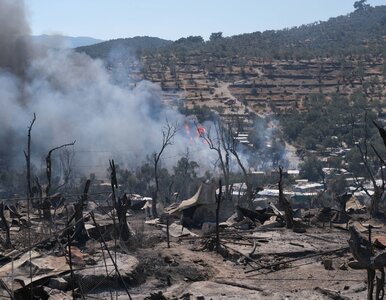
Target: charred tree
{"x":8,"y":243}
{"x":29,"y":190}
{"x":28,"y":161}
{"x":168,"y":133}
{"x":379,"y":189}
{"x":123,"y":204}
{"x":284,"y":203}
{"x":49,"y":165}
{"x":232,"y":145}
{"x":217,"y":143}
{"x":80,"y":233}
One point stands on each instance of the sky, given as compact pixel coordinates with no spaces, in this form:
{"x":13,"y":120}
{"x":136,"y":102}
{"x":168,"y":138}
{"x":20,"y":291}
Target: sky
{"x":173,"y":19}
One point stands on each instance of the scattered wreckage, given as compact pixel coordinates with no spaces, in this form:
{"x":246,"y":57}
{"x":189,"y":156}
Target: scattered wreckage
{"x":88,"y":246}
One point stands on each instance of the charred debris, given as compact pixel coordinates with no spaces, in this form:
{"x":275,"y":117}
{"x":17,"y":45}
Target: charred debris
{"x":115,"y":245}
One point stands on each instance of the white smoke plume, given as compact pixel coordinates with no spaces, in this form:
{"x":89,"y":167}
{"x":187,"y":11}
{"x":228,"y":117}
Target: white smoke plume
{"x":75,"y":98}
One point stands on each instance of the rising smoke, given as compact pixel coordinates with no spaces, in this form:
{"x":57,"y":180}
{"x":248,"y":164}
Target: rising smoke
{"x":13,"y":33}
{"x":75,"y":98}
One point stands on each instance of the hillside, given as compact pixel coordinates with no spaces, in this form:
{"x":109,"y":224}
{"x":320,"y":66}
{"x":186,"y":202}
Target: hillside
{"x":271,"y":71}
{"x":64,"y":41}
{"x":133,"y":45}
{"x":362,"y":32}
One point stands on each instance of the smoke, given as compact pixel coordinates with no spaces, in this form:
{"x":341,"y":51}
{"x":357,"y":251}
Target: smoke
{"x":76,"y":98}
{"x":13,"y":33}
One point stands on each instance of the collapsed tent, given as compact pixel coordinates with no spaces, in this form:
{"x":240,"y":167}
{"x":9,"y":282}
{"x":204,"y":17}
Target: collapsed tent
{"x":354,"y":206}
{"x":201,"y":208}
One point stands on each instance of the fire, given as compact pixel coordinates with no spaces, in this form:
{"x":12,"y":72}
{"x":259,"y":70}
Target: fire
{"x":198,"y":133}
{"x":201,"y":130}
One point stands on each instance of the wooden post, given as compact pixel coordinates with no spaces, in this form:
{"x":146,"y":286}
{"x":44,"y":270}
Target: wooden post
{"x":167,"y":233}
{"x":218,"y":201}
{"x":370,"y":244}
{"x":12,"y":278}
{"x":70,"y":258}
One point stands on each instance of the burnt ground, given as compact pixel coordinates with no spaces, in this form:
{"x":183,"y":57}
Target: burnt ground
{"x":211,"y":275}
{"x":284,"y":265}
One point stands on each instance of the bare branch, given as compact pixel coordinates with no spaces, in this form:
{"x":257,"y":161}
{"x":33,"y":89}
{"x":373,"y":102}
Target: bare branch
{"x":28,"y":157}
{"x":382,"y":132}
{"x":49,"y":165}
{"x":168,"y":133}
{"x":360,"y":184}
{"x":365,"y":161}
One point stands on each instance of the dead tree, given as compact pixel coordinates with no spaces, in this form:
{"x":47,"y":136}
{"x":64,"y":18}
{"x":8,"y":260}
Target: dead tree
{"x":49,"y":165}
{"x":168,"y":133}
{"x":232,"y":145}
{"x":284,"y":203}
{"x":121,"y":206}
{"x":80,"y":233}
{"x":218,"y":144}
{"x":8,"y":243}
{"x":379,"y":189}
{"x":66,"y":160}
{"x":29,"y":188}
{"x":28,"y":161}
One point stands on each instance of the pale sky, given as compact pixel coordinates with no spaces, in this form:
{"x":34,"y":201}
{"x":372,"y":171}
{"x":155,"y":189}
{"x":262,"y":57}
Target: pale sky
{"x":172,"y":19}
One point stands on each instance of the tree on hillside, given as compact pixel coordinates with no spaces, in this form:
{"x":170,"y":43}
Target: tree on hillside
{"x":312,"y":169}
{"x":215,"y":36}
{"x":361,"y":5}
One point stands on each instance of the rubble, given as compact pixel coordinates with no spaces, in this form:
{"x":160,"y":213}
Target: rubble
{"x":256,"y":252}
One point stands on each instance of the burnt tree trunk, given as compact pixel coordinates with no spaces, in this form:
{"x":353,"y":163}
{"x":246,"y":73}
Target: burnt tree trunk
{"x":168,"y":133}
{"x":123,"y":204}
{"x":49,"y":165}
{"x":375,"y":201}
{"x":284,"y":203}
{"x":80,"y":233}
{"x":8,"y":243}
{"x":28,"y":162}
